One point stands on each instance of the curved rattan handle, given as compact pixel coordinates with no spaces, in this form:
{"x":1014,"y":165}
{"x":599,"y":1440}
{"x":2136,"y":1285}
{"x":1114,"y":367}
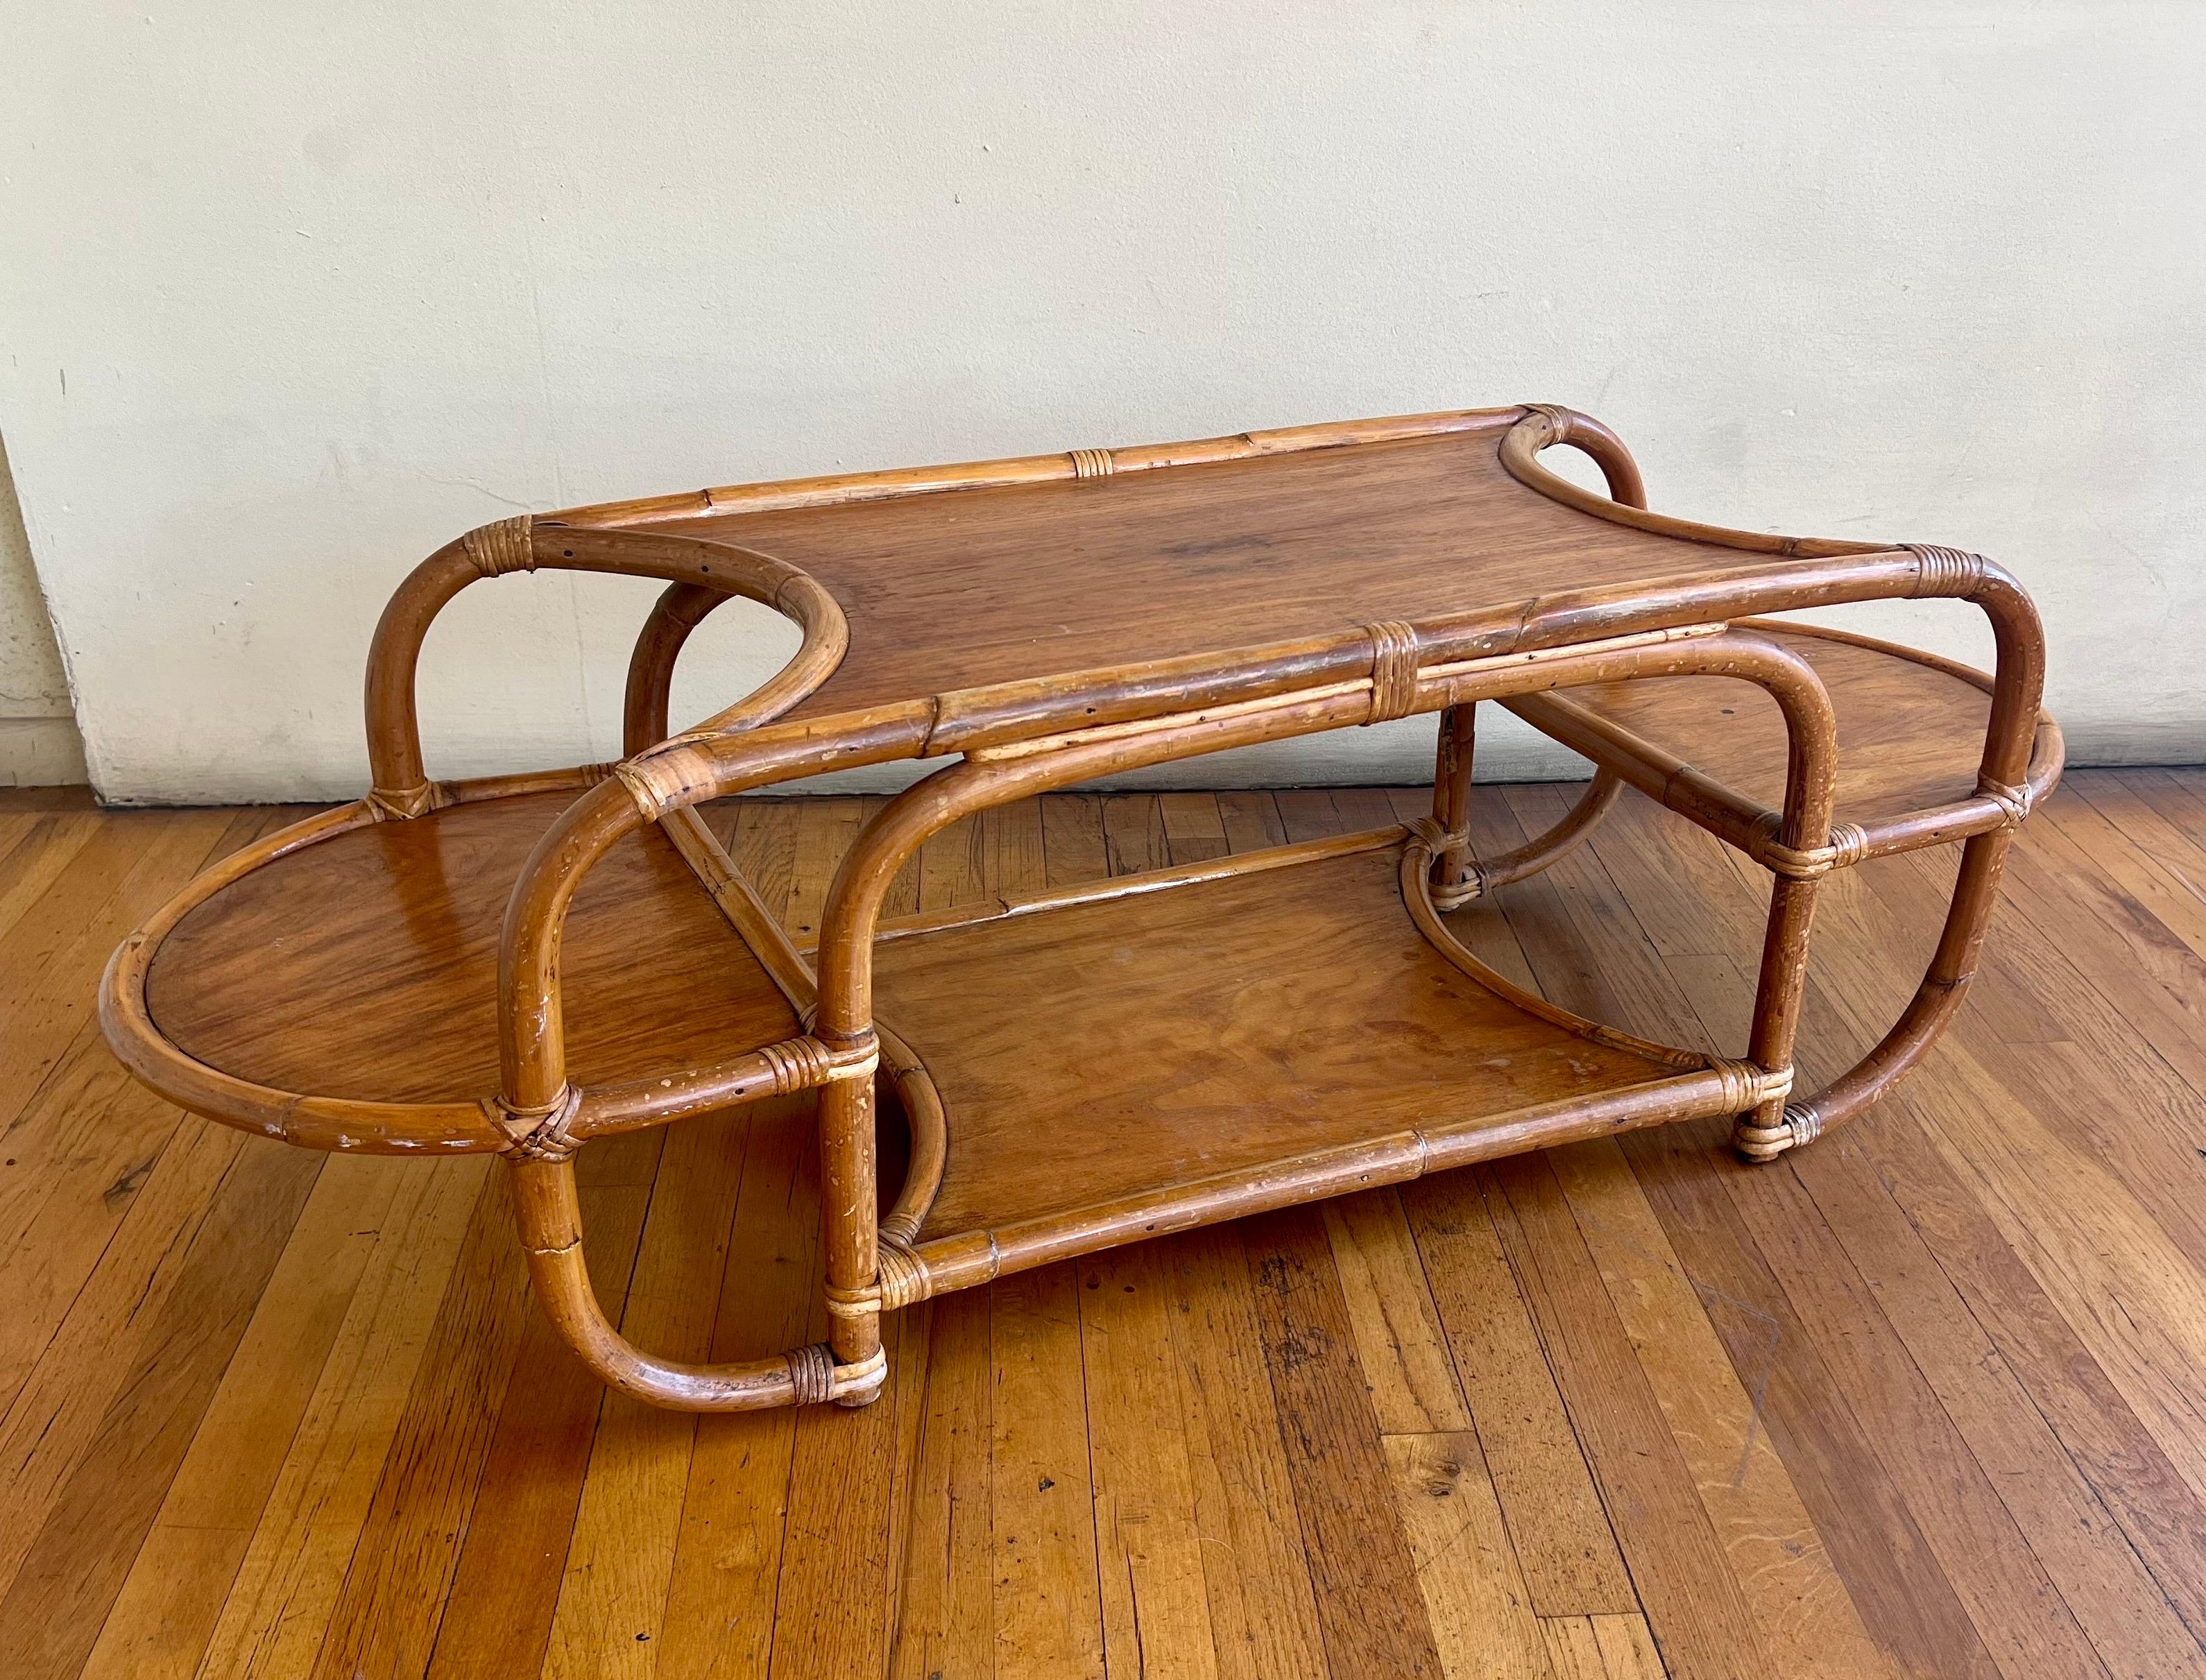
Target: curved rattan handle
{"x":1587,"y":435}
{"x":717,"y":569}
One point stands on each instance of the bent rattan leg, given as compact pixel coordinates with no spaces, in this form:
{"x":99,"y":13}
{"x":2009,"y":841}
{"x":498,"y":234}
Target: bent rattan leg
{"x":549,"y":1220}
{"x":1920,"y":1024}
{"x":1455,"y":876}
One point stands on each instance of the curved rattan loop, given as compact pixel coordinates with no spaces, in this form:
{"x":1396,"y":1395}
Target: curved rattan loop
{"x":1582,"y":432}
{"x":1417,"y":853}
{"x":402,"y":792}
{"x":550,"y":1219}
{"x":400,"y":783}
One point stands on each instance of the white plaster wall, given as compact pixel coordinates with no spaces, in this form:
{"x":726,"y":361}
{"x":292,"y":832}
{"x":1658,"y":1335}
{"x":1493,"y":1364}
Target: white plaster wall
{"x":293,"y":293}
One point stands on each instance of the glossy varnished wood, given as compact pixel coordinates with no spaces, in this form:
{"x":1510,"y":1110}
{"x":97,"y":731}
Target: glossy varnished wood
{"x":1911,"y":733}
{"x":971,"y":587}
{"x":1623,"y":1409}
{"x":1205,"y":1030}
{"x":367,"y":966}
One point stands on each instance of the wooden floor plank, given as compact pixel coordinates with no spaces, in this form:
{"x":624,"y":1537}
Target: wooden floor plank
{"x":1012,"y":848}
{"x":2113,"y":1097}
{"x":1374,"y":1619}
{"x":835,"y":1603}
{"x":763,"y":842}
{"x":1399,"y":1344}
{"x":1073,"y":845}
{"x":1251,"y":821}
{"x":275,"y":1619}
{"x":727,"y":1563}
{"x":2105,"y":1583}
{"x":2136,"y":1303}
{"x":387,"y":1612}
{"x":58,"y":1406}
{"x":1796,"y":1595}
{"x":2161,"y":810}
{"x":1309,"y":813}
{"x":1256,"y":1561}
{"x":1134,"y":833}
{"x":1149,"y":1565}
{"x":949,"y":866}
{"x":1679,"y":1568}
{"x":168,"y":1603}
{"x":946,"y":1610}
{"x":498,"y":1615}
{"x":62,"y":941}
{"x":2116,"y":945}
{"x":182,"y":1333}
{"x":2108,"y":1580}
{"x":1474,"y":1595}
{"x":81,"y":1153}
{"x":2023,"y":1620}
{"x":1872,"y":1537}
{"x":1195,"y":828}
{"x":1798,"y":1600}
{"x":1557,"y":1526}
{"x":2156,"y":880}
{"x":824,"y":829}
{"x":1968,"y":1538}
{"x":39,"y":849}
{"x":2163,"y":1516}
{"x":1602,"y":1648}
{"x":1047,"y":1608}
{"x":620,"y":1555}
{"x":734,"y":1510}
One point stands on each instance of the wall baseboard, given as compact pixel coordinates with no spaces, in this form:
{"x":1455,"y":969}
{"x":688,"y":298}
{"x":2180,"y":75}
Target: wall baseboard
{"x":40,"y":752}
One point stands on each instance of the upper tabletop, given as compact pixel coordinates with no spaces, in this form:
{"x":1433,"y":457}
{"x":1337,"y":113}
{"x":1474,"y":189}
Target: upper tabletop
{"x":970,"y":586}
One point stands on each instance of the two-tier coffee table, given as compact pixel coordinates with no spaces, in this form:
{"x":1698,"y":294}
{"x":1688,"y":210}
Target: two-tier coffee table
{"x":519,"y":964}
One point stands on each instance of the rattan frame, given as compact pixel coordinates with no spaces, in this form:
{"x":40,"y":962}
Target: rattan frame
{"x":1013,"y":739}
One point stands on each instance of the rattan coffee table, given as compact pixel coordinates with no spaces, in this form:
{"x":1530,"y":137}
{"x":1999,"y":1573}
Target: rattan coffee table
{"x":519,"y":964}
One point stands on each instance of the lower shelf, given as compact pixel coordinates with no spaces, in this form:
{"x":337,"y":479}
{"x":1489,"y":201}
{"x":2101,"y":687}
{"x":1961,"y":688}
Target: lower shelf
{"x":1099,"y":1058}
{"x":1910,"y":728}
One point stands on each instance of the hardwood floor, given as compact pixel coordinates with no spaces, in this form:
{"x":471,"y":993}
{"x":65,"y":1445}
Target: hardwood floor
{"x":1926,"y":1399}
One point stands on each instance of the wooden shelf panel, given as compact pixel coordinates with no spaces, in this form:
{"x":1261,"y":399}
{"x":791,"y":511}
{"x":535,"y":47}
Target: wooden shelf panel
{"x":367,"y":966}
{"x":1911,"y":733}
{"x":1098,"y":1050}
{"x":940,"y":589}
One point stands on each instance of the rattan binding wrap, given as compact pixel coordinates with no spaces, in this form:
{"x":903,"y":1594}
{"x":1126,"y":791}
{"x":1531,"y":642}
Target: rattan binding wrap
{"x":812,"y":1373}
{"x":538,"y":1134}
{"x":1947,"y":571}
{"x":1393,"y":670}
{"x":903,"y":1275}
{"x":502,"y":547}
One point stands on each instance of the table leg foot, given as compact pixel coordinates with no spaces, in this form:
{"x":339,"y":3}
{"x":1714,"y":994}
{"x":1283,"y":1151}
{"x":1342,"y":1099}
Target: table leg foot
{"x":1755,"y":1141}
